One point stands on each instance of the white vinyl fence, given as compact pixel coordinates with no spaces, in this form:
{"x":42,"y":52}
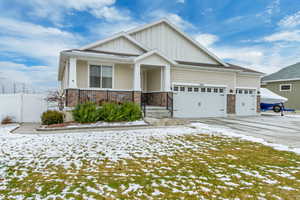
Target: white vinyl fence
{"x":23,"y":107}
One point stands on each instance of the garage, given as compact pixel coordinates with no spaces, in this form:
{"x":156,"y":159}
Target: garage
{"x":245,"y":102}
{"x":199,"y":101}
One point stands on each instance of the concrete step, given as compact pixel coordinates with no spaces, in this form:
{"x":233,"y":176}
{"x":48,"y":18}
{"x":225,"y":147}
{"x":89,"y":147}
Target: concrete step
{"x":156,"y":108}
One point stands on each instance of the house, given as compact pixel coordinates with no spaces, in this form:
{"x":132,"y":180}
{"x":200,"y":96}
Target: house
{"x":286,"y":83}
{"x":158,"y":65}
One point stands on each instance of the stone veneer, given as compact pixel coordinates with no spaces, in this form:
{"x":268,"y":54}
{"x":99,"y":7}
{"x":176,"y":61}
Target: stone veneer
{"x":231,"y":100}
{"x":76,"y":96}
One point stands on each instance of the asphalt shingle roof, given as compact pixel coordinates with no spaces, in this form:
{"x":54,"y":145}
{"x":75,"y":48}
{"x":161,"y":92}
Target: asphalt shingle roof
{"x":289,"y":72}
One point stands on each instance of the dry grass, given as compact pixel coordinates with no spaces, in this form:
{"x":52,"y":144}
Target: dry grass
{"x":217,"y":168}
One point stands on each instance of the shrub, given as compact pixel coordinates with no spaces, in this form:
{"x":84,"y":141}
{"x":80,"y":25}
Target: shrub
{"x":52,"y":117}
{"x":7,"y":120}
{"x":131,"y":111}
{"x":110,"y":112}
{"x":86,"y":113}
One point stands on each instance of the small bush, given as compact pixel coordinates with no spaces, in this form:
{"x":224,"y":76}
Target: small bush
{"x":110,"y":112}
{"x":131,"y":111}
{"x":52,"y":117}
{"x":7,"y":120}
{"x":86,"y":113}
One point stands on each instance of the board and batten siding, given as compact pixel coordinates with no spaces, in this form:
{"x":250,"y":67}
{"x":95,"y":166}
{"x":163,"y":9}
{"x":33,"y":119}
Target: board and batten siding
{"x":154,"y":80}
{"x":120,"y":45}
{"x":248,"y":81}
{"x":172,"y":44}
{"x":180,"y":75}
{"x":293,"y":96}
{"x":123,"y":76}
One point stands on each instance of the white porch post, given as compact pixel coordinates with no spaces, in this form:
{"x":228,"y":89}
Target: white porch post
{"x":137,"y":77}
{"x":72,"y":73}
{"x":167,"y":78}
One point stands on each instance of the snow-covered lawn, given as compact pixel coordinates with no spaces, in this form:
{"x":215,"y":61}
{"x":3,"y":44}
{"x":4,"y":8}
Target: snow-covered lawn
{"x":171,"y":163}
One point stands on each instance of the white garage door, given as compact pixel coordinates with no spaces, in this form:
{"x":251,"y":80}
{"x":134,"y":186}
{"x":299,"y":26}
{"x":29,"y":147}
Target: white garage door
{"x":245,"y":102}
{"x":196,"y":102}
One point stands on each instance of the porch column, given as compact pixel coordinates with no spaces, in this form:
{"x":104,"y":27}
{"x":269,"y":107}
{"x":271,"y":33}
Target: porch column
{"x":72,"y":73}
{"x":137,"y":77}
{"x":167,"y":78}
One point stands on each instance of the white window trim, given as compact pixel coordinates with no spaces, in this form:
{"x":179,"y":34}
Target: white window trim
{"x":285,"y":85}
{"x":101,"y":64}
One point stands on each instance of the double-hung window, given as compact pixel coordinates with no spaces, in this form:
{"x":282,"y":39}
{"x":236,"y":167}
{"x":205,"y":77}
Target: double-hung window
{"x":100,"y":76}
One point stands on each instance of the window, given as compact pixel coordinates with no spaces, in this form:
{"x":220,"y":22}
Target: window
{"x":176,"y":88}
{"x":100,"y":76}
{"x":182,"y":89}
{"x":285,"y":87}
{"x":221,"y":90}
{"x":203,"y":89}
{"x":208,"y":89}
{"x":215,"y":90}
{"x":190,"y":89}
{"x":246,"y":91}
{"x":196,"y":89}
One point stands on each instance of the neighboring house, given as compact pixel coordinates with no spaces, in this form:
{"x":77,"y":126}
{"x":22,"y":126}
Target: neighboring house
{"x":286,"y":83}
{"x":158,"y":65}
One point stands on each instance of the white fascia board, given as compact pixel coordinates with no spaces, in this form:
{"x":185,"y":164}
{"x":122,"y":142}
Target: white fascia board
{"x":121,"y":34}
{"x":150,"y":53}
{"x":281,"y":80}
{"x":183,"y":34}
{"x":207,"y":68}
{"x":96,"y":55}
{"x":252,"y":73}
{"x":247,"y":88}
{"x":198,"y":84}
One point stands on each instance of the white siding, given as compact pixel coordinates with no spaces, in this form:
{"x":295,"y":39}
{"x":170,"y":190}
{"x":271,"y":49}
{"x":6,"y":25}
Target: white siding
{"x":120,"y":45}
{"x":248,"y":81}
{"x":172,"y":44}
{"x":153,"y":60}
{"x":180,"y":75}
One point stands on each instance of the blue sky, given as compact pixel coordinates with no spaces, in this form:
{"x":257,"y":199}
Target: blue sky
{"x":259,"y":34}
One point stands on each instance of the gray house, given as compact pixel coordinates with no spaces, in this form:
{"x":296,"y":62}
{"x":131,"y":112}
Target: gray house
{"x":286,"y":83}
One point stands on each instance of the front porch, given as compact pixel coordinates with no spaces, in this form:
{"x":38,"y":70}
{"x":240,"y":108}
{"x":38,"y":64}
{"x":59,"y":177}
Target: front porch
{"x":144,"y":80}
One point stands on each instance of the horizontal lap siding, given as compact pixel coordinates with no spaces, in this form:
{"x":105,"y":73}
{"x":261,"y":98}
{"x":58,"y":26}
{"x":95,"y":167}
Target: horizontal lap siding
{"x":202,"y":77}
{"x":248,"y":81}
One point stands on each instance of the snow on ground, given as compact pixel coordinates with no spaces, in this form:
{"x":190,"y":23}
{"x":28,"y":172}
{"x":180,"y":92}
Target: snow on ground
{"x":71,"y":151}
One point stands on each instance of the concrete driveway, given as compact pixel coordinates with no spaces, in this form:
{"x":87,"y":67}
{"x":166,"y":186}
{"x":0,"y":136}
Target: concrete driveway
{"x":273,"y":128}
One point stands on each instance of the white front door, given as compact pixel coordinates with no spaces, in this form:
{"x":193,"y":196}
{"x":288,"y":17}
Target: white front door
{"x":245,"y":102}
{"x":197,"y":102}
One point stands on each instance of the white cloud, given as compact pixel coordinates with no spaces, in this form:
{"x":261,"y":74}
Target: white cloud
{"x":284,"y":36}
{"x":290,"y":21}
{"x":206,"y":39}
{"x":172,"y":17}
{"x":55,"y":10}
{"x":37,"y":78}
{"x":35,"y":41}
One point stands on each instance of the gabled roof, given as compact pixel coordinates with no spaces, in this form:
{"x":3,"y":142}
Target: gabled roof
{"x":197,"y":44}
{"x":154,"y":52}
{"x":291,"y":72}
{"x":116,"y":36}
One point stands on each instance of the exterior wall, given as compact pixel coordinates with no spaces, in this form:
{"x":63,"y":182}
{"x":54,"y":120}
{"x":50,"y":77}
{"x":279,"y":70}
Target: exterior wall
{"x":293,"y":96}
{"x":154,"y":80}
{"x":170,"y":43}
{"x":182,"y":75}
{"x":248,"y":81}
{"x":123,"y":76}
{"x":121,"y":45}
{"x":123,"y":79}
{"x":82,"y":74}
